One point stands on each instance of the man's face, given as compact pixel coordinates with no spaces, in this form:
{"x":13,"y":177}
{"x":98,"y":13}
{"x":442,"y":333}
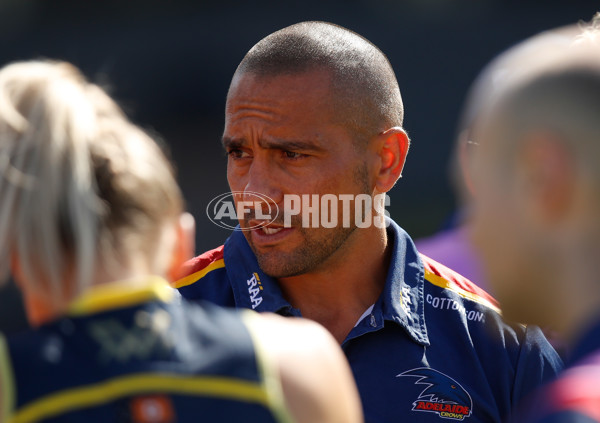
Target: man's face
{"x":282,"y":138}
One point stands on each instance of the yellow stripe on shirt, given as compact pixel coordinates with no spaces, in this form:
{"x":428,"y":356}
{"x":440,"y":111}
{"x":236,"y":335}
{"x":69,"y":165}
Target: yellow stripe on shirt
{"x":446,"y":284}
{"x":93,"y":395}
{"x":196,"y":276}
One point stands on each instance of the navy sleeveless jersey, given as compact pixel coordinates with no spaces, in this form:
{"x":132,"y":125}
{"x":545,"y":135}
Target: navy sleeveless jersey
{"x":140,"y":356}
{"x":433,"y":348}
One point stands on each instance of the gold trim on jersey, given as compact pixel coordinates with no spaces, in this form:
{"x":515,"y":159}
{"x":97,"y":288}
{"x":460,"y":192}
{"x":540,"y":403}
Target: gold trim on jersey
{"x":196,"y":276}
{"x":120,"y":294}
{"x":93,"y":395}
{"x":446,"y":284}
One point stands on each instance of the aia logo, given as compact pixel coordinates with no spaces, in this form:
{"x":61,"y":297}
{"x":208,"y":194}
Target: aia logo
{"x":442,"y":394}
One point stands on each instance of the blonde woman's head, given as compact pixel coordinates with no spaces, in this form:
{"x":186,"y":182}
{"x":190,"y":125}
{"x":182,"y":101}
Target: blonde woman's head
{"x":86,"y":195}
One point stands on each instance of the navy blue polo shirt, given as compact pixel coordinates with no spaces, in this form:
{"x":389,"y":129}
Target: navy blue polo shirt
{"x":138,"y":354}
{"x":433,"y":348}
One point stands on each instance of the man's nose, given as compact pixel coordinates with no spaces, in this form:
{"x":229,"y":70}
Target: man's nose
{"x":262,"y":184}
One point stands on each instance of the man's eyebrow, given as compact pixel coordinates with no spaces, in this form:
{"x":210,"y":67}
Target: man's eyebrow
{"x":276,"y":144}
{"x":231,"y":143}
{"x":292,"y":145}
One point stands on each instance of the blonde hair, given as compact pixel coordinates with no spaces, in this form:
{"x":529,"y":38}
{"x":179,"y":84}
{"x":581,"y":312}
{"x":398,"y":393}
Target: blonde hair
{"x":80,"y":186}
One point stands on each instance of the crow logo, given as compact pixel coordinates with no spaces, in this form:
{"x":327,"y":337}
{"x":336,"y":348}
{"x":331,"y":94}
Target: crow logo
{"x":442,"y":394}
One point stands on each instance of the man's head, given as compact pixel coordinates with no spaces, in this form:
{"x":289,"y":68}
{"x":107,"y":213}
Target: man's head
{"x":537,"y":177}
{"x":363,"y":87}
{"x":312,"y":109}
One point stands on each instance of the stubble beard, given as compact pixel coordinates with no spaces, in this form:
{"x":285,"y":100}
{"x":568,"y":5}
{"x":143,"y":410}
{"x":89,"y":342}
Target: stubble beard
{"x":318,"y":244}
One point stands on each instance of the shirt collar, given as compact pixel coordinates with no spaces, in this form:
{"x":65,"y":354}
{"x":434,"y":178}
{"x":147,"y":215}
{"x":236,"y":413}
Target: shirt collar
{"x":402,"y":300}
{"x":252,"y":288}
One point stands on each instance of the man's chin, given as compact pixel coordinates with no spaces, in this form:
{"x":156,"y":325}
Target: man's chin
{"x":278,"y":265}
{"x":298,"y":255}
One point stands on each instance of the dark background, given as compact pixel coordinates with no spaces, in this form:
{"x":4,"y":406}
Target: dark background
{"x":169,"y":63}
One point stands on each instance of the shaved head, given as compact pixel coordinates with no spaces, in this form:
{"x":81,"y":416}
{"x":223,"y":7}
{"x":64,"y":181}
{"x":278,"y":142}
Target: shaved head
{"x":364,"y":91}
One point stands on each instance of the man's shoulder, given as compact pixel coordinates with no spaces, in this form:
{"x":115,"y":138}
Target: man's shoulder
{"x":464,"y":319}
{"x":450,"y":299}
{"x":453,"y":299}
{"x":205,"y":277}
{"x":445,"y":281}
{"x":197,"y":268}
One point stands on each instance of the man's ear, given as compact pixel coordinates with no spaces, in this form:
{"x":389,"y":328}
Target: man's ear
{"x":185,"y":245}
{"x":392,"y":147}
{"x":547,"y":171}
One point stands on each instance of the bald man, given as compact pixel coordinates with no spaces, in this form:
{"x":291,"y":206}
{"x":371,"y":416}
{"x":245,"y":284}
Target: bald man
{"x":313,"y":128}
{"x":537,"y":177}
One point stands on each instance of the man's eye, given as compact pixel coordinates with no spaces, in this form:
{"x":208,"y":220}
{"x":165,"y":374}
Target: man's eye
{"x":236,"y":153}
{"x":292,"y":155}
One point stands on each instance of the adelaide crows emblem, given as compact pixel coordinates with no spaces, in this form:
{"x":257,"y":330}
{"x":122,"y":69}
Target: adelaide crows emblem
{"x":442,"y":395}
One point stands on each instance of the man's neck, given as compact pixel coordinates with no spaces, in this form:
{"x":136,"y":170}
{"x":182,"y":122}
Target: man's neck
{"x":341,"y":289}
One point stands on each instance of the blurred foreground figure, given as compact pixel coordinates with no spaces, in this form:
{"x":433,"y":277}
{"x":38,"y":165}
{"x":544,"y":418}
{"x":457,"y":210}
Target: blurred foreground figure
{"x":537,"y":178}
{"x":91,"y":228}
{"x":314,"y":111}
{"x":453,"y":247}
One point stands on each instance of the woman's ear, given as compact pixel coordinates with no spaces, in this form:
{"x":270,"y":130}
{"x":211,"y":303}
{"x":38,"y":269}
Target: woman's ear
{"x":392,"y":150}
{"x":185,"y":245}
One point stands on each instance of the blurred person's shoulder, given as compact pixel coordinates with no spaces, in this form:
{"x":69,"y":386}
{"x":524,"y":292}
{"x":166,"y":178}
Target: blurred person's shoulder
{"x":573,"y":398}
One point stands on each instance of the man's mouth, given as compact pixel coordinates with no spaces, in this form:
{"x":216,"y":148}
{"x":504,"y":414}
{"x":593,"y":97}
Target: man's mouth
{"x":270,"y":231}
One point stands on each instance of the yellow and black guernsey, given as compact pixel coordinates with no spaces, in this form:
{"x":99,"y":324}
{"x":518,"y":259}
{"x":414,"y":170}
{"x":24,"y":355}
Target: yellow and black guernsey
{"x":140,"y":354}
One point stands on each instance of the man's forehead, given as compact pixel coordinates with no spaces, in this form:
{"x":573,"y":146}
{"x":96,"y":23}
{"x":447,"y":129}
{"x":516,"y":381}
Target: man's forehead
{"x":300,"y":98}
{"x":302,"y":82}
